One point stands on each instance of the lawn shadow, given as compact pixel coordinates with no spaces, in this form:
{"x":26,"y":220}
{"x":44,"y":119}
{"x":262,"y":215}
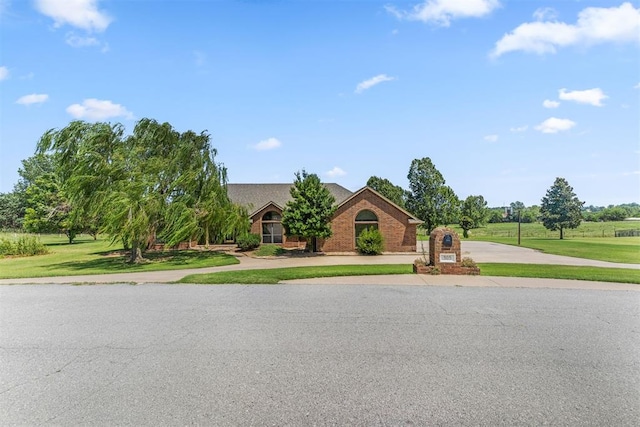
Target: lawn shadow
{"x":117,"y":261}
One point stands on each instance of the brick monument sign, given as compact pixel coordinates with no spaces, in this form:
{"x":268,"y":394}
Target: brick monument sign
{"x":445,"y":255}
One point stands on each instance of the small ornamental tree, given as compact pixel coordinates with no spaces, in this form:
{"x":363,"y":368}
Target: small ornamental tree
{"x":560,"y":208}
{"x":473,"y":214}
{"x":309,"y":213}
{"x":430,"y":199}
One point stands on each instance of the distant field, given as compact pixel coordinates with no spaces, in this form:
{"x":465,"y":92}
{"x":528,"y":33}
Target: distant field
{"x":86,"y":256}
{"x":586,"y":229}
{"x":592,"y":240}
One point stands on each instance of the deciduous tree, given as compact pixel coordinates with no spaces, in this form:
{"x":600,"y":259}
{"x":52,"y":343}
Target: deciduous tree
{"x":395,"y":193}
{"x":132,"y":181}
{"x":473,"y":214}
{"x":430,"y":199}
{"x":308,"y":213}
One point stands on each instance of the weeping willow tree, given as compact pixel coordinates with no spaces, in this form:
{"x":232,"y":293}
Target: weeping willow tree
{"x":156,"y":181}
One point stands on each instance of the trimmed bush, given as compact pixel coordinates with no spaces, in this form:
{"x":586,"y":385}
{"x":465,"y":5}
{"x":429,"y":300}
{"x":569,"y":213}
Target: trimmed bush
{"x":26,"y":245}
{"x":370,"y":242}
{"x":248,"y":241}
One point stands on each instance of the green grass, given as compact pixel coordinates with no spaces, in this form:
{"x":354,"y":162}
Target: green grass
{"x":87,"y":256}
{"x":510,"y":229}
{"x":621,"y":249}
{"x":270,"y":250}
{"x":274,"y":275}
{"x":599,"y":274}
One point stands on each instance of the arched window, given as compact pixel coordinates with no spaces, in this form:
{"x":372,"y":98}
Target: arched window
{"x":271,"y":227}
{"x":365,"y":219}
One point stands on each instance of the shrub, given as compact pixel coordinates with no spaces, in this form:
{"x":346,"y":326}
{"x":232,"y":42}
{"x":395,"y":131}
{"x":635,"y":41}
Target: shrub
{"x":248,"y":241}
{"x":26,"y":245}
{"x":468,"y":262}
{"x":370,"y":242}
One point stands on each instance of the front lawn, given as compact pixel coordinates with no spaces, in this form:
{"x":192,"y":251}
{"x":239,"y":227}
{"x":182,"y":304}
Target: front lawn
{"x":86,"y":256}
{"x":573,"y":272}
{"x":274,"y":275}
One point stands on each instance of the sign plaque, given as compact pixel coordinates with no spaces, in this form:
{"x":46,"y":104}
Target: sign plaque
{"x":448,"y":258}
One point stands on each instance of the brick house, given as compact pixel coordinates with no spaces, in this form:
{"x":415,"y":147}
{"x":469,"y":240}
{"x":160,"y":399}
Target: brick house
{"x":355,"y":212}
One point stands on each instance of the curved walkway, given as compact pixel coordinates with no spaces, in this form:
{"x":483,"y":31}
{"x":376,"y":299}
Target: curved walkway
{"x":482,"y":252}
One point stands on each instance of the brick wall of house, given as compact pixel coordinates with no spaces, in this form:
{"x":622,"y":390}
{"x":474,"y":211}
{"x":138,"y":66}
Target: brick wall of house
{"x":399,"y":235}
{"x":287,"y":241}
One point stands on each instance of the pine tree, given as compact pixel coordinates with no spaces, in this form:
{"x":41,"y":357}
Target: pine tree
{"x":560,"y":208}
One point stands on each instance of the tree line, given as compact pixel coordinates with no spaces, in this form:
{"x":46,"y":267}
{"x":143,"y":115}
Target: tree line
{"x":435,"y":203}
{"x":161,"y":184}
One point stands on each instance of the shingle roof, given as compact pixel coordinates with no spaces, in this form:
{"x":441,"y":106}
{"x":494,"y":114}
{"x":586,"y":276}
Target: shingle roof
{"x":255,"y":196}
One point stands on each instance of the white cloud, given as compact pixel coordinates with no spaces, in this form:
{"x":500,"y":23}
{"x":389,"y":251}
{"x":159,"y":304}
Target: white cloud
{"x":590,"y":96}
{"x":519,"y":128}
{"x":555,"y":125}
{"x":545,"y":14}
{"x":335,"y":172}
{"x":550,"y":104}
{"x":4,"y":73}
{"x":442,"y":12}
{"x":267,"y":144}
{"x":34,"y":98}
{"x":491,"y":138}
{"x":637,"y":86}
{"x":96,"y":109}
{"x":595,"y":25}
{"x":77,"y":13}
{"x":75,"y":40}
{"x":367,"y":84}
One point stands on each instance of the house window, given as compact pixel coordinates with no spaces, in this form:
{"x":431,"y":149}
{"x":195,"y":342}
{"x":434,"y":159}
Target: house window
{"x":271,"y":227}
{"x":365,"y":219}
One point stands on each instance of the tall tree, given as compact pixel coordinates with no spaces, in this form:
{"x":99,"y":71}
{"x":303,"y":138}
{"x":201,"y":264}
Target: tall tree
{"x":49,"y":210}
{"x":473,"y":214}
{"x":130,"y":181}
{"x":11,"y":211}
{"x":430,"y":199}
{"x":308,"y":213}
{"x":560,"y":208}
{"x":395,"y":193}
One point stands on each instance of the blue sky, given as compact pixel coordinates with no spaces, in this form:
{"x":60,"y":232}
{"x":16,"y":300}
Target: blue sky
{"x":504,"y":96}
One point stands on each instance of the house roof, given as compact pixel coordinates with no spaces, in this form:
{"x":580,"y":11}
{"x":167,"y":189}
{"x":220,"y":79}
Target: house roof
{"x":412,"y":218}
{"x":257,"y":196}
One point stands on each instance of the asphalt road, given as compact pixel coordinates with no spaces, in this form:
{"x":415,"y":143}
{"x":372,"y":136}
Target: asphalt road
{"x":318,"y":355}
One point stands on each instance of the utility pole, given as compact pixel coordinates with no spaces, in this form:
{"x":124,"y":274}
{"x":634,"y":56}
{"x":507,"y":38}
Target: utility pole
{"x":519,"y":226}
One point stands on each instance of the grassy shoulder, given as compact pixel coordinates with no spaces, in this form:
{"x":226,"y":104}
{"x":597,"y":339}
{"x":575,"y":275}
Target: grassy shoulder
{"x":622,"y":249}
{"x":88,"y":256}
{"x":272,"y":276}
{"x":572,"y":272}
{"x":276,"y":275}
